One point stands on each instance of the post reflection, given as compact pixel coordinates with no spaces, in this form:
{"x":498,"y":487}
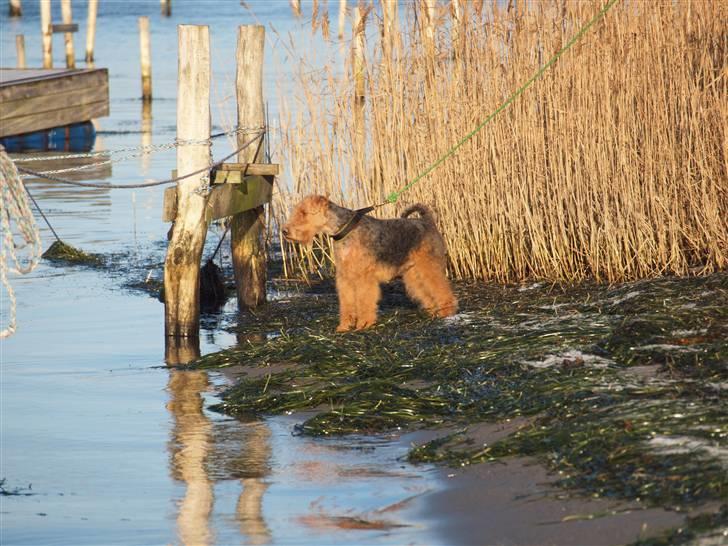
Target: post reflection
{"x":204,"y":451}
{"x":190,"y":444}
{"x":146,"y":130}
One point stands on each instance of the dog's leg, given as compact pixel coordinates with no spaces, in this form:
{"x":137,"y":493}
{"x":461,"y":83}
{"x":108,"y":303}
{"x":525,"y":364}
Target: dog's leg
{"x":427,"y":284}
{"x":347,"y":304}
{"x":368,"y":293}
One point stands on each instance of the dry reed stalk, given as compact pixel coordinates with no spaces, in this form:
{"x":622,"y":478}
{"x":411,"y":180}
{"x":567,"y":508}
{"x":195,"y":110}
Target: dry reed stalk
{"x":612,"y":166}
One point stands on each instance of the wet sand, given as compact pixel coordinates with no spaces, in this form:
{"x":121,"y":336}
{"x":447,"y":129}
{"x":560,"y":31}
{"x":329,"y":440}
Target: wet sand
{"x":514,"y":502}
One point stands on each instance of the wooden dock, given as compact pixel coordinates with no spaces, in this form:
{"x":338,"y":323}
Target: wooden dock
{"x":35,"y":99}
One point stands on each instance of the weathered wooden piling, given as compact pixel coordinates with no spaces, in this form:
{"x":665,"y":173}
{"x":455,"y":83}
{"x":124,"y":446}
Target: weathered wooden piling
{"x":390,"y":28}
{"x":182,"y":264}
{"x":15,"y":9}
{"x":93,"y":8}
{"x":358,"y":64}
{"x":166,"y":7}
{"x":248,"y":247}
{"x":46,"y":33}
{"x":145,"y":58}
{"x":296,"y":7}
{"x":429,"y":13}
{"x":342,"y":18}
{"x":67,"y":16}
{"x":20,"y":49}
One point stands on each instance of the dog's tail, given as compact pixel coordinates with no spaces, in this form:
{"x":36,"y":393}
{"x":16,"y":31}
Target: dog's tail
{"x":424,"y":212}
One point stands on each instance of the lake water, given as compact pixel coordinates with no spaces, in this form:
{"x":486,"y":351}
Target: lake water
{"x":101,"y":442}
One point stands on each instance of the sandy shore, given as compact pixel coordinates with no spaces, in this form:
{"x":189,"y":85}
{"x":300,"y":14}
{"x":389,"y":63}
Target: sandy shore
{"x":514,"y":502}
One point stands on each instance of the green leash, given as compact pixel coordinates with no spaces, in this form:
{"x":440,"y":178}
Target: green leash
{"x":392,"y":197}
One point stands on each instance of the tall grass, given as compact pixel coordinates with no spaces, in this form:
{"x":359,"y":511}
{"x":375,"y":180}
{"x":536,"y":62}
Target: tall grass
{"x":613,"y":165}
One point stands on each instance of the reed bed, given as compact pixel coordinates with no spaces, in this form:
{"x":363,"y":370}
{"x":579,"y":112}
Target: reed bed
{"x":612,"y":166}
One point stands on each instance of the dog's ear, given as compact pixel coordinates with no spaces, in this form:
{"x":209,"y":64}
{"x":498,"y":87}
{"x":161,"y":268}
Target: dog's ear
{"x":321,"y":203}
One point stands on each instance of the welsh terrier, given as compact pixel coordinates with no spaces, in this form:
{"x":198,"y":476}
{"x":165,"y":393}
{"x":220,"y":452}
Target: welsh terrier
{"x":369,"y":251}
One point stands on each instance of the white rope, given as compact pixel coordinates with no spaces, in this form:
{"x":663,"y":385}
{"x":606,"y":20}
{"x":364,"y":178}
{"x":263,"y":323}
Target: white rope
{"x":16,"y":219}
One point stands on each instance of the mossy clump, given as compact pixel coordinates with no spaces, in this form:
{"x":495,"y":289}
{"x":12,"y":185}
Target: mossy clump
{"x":61,"y":252}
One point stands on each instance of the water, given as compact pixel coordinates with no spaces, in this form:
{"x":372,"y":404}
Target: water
{"x":102,"y":442}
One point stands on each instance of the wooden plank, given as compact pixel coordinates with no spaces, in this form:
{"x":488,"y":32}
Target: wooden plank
{"x":64,"y":27}
{"x":262,"y":169}
{"x":169,"y":205}
{"x":226,"y":199}
{"x":230,"y":199}
{"x":50,"y":103}
{"x":48,"y":120}
{"x":235,"y":176}
{"x":42,"y":82}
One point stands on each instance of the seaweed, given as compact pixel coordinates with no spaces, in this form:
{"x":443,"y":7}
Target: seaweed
{"x":622,"y":388}
{"x":61,"y":252}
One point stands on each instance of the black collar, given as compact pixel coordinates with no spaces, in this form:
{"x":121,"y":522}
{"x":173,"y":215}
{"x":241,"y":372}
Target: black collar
{"x":352,"y":223}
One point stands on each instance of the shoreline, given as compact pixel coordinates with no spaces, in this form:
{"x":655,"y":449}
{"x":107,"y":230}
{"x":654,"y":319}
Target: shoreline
{"x":513,"y":503}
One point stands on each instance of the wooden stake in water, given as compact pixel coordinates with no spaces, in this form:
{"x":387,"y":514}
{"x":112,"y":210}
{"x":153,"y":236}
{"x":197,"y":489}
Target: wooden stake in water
{"x":20,"y":49}
{"x":182,"y":264}
{"x":67,"y":16}
{"x":296,"y":7}
{"x":46,"y":32}
{"x":166,"y":7}
{"x":429,"y":12}
{"x":342,"y":18}
{"x":248,"y":247}
{"x":15,"y":9}
{"x":358,"y":48}
{"x":93,"y":7}
{"x":145,"y":57}
{"x":390,"y":25}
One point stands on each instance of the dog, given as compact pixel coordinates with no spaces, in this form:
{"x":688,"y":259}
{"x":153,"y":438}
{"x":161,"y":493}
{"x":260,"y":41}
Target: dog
{"x":369,"y":252}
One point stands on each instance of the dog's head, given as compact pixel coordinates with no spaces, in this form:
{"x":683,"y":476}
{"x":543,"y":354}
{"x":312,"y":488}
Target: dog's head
{"x":309,"y":218}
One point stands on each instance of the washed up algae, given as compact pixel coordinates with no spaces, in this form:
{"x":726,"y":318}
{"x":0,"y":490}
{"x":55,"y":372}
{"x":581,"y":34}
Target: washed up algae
{"x":621,"y":391}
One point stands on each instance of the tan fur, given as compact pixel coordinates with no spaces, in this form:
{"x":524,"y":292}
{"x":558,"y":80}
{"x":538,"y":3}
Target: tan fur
{"x":361,"y":268}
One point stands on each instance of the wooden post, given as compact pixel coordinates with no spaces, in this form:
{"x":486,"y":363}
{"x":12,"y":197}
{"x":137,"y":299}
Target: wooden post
{"x":390,"y":36}
{"x":182,"y":264}
{"x":20,"y":49}
{"x":93,"y":8}
{"x":296,"y":7}
{"x":429,"y":10}
{"x":342,"y":18}
{"x":15,"y":9}
{"x":248,"y":247}
{"x":166,"y":7}
{"x":67,"y":16}
{"x":46,"y":32}
{"x":145,"y":57}
{"x":358,"y":47}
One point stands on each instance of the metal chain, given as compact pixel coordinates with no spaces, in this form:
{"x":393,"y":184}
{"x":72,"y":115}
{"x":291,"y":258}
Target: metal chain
{"x":141,"y":184}
{"x":143,"y":150}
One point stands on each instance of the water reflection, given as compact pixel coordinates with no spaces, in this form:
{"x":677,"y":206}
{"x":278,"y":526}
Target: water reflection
{"x":146,"y":134}
{"x":203,"y":452}
{"x":189,"y":446}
